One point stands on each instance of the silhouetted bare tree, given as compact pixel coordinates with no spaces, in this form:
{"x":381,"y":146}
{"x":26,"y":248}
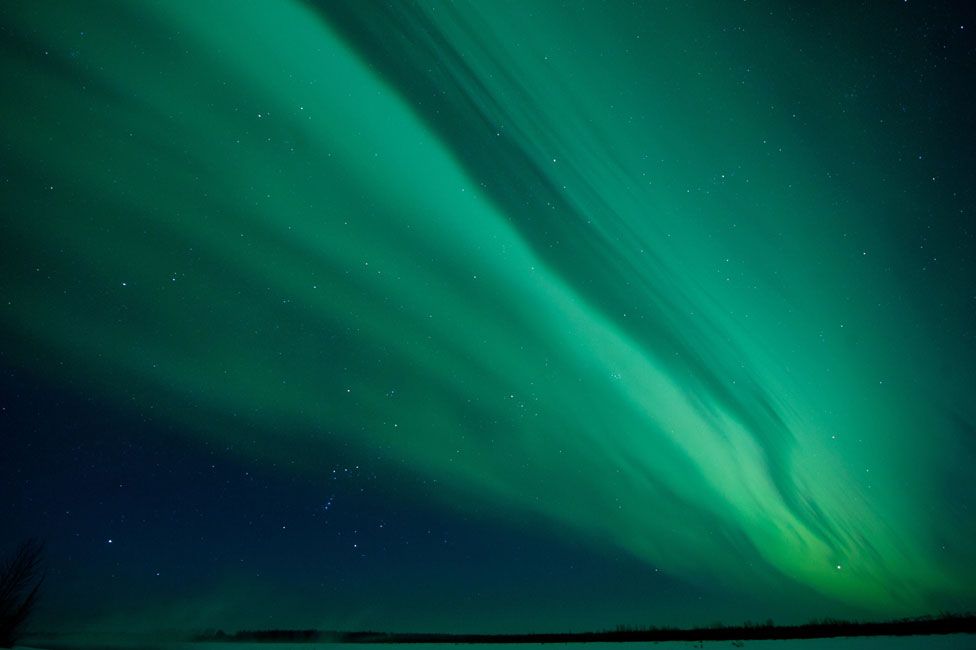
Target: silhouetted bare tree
{"x":21,"y":576}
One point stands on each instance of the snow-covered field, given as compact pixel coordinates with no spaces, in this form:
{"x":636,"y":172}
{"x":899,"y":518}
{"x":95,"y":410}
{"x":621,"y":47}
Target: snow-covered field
{"x":945,"y":642}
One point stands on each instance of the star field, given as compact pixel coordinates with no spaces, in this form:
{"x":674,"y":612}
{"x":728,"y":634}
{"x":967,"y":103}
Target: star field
{"x":488,"y":316}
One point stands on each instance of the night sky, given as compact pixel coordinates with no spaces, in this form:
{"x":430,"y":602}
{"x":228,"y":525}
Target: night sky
{"x":485,"y":316}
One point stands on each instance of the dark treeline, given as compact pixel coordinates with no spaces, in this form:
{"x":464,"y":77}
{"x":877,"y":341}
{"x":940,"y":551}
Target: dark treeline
{"x":924,"y":625}
{"x":270,"y":636}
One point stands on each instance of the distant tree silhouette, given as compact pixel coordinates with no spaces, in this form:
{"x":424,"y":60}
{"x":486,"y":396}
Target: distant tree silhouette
{"x":20,"y":581}
{"x":737,"y":634}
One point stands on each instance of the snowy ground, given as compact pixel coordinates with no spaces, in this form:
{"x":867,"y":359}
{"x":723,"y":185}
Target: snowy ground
{"x":946,"y":642}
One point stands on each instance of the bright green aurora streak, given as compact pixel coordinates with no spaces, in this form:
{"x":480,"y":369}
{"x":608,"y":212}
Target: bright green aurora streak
{"x":632,"y":290}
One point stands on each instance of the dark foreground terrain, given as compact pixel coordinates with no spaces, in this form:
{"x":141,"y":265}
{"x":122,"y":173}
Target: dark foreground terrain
{"x":926,"y":625}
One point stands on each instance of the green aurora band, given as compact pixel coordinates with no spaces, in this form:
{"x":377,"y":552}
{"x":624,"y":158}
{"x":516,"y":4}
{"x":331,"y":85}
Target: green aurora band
{"x":630,"y":289}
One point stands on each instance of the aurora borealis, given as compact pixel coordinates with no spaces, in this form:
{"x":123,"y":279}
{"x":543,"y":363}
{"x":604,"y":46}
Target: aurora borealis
{"x":467,"y":315}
